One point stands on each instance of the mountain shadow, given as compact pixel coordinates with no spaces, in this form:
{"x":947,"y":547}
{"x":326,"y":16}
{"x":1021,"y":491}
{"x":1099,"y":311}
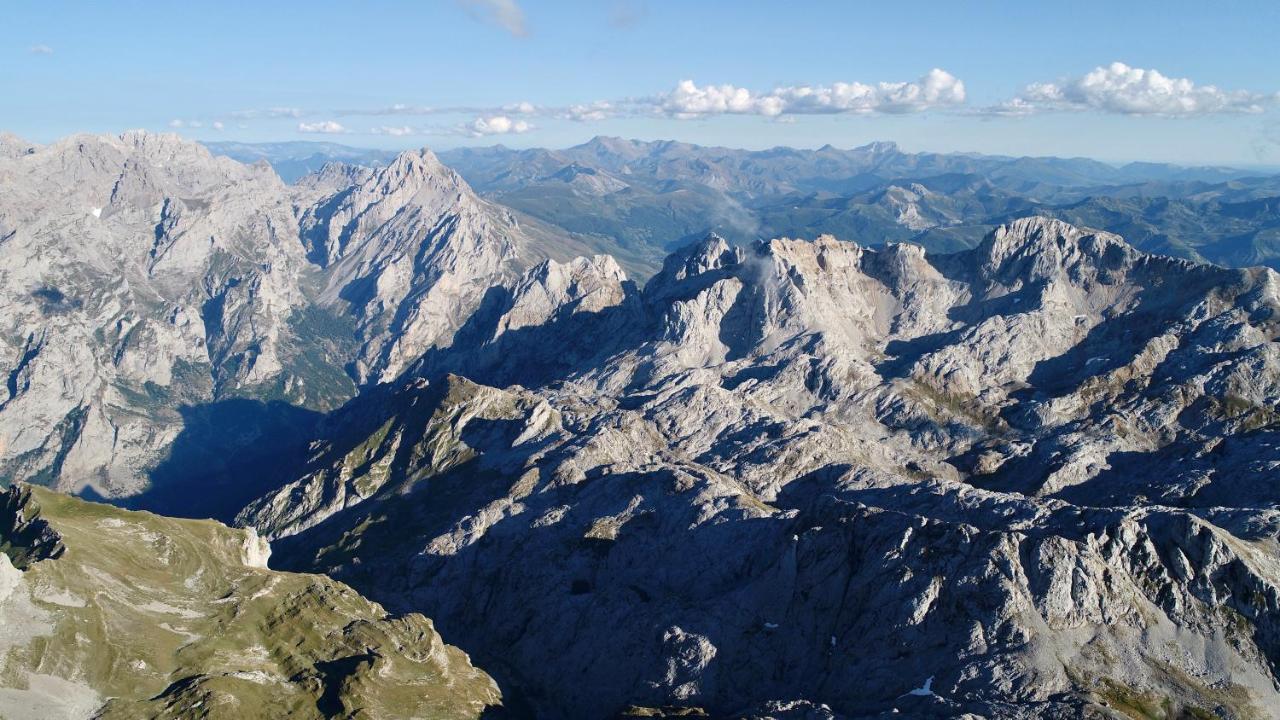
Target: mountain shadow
{"x":228,"y":453}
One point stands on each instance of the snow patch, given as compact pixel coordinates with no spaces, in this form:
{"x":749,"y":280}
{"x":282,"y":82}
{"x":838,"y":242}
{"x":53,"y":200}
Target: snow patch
{"x":924,"y":690}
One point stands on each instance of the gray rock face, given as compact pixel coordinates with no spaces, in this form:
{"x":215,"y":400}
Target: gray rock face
{"x":1034,"y":479}
{"x":136,"y":272}
{"x":411,"y":251}
{"x":141,"y":277}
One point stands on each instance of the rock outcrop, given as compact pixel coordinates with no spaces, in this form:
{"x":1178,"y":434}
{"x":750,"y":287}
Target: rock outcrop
{"x":1032,"y":479}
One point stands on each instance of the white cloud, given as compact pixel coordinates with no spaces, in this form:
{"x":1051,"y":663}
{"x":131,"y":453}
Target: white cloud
{"x":396,"y":109}
{"x":217,"y":125}
{"x":179,"y":124}
{"x":274,"y":112}
{"x":325,"y":127}
{"x":937,"y":88}
{"x":1120,"y":89}
{"x":41,"y":50}
{"x":480,"y":127}
{"x":396,"y":131}
{"x":506,"y":14}
{"x":520,"y":108}
{"x":587,"y":112}
{"x":498,"y":125}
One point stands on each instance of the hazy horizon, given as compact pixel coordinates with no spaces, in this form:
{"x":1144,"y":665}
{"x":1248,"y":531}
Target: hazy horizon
{"x":1118,"y":162}
{"x":1092,"y":80}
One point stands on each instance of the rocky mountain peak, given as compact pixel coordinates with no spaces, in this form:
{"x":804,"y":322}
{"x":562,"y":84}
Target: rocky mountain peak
{"x":1037,"y":248}
{"x":12,"y":146}
{"x":692,"y":265}
{"x":410,"y":251}
{"x":557,"y":275}
{"x":334,"y":177}
{"x":415,"y":169}
{"x":610,"y":145}
{"x":879,"y":147}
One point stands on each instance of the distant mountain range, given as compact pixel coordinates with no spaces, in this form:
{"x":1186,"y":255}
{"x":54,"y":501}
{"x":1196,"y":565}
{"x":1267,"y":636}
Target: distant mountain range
{"x":641,"y":199}
{"x":292,"y":160}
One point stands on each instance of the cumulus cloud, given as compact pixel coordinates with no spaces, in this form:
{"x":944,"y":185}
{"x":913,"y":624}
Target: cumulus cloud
{"x":1124,"y":90}
{"x":41,"y":50}
{"x":506,"y":14}
{"x":178,"y":124}
{"x":938,"y":88}
{"x":324,"y":127}
{"x":498,"y":125}
{"x":217,"y":125}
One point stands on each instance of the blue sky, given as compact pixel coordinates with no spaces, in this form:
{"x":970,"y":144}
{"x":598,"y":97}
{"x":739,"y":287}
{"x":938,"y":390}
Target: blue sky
{"x":1017,"y":78}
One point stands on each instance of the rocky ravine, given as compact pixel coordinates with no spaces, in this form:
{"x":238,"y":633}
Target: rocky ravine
{"x":146,"y":285}
{"x":115,"y":614}
{"x":1034,"y":479}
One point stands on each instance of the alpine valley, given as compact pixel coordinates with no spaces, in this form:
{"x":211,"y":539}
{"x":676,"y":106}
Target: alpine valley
{"x":634,"y":430}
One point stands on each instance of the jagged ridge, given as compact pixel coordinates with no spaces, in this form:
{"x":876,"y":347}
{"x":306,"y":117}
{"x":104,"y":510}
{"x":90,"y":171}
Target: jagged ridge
{"x":814,"y":471}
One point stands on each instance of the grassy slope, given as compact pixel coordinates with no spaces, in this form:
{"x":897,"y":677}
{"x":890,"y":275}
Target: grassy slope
{"x":159,"y":617}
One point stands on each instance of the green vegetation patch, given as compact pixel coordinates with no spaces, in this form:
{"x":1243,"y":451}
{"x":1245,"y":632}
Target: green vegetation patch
{"x":159,"y":617}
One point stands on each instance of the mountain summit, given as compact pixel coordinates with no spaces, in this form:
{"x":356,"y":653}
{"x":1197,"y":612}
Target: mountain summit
{"x":144,"y":277}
